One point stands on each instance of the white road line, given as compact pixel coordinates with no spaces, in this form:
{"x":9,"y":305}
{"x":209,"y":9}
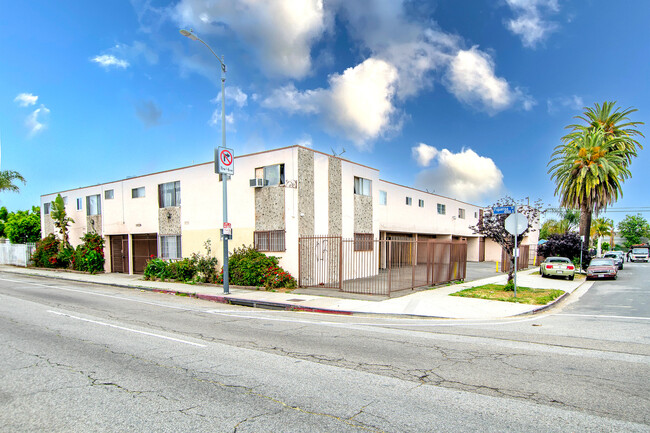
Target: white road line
{"x":605,"y":317}
{"x":127,"y":329}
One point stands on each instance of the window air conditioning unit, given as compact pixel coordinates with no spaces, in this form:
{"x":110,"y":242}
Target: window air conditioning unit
{"x":258,"y":183}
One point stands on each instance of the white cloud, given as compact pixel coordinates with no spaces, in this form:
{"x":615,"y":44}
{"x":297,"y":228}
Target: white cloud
{"x":423,"y":154}
{"x":471,"y":78}
{"x":35,"y":121}
{"x":572,"y":102}
{"x":529,"y":22}
{"x":304,"y":141}
{"x":464,"y":176}
{"x":234,"y":94}
{"x":281,"y":31}
{"x":26,"y":99}
{"x":215,"y":119}
{"x":358,"y":104}
{"x":108,"y":61}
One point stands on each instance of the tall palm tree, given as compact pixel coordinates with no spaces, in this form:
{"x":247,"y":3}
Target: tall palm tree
{"x":588,"y":174}
{"x":601,"y":227}
{"x":8,"y":178}
{"x":620,"y":134}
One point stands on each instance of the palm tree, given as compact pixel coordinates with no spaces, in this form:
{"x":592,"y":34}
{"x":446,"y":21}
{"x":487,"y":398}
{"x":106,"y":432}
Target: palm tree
{"x":588,"y":174}
{"x":601,"y":227}
{"x":7,"y":179}
{"x":619,"y":134}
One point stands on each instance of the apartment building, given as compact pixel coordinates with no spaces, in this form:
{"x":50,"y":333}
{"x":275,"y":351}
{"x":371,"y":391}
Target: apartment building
{"x":275,"y":197}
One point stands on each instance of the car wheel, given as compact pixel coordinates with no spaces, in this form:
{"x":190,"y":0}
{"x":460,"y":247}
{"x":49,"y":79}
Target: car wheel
{"x":621,"y":267}
{"x":571,"y":277}
{"x":615,"y":277}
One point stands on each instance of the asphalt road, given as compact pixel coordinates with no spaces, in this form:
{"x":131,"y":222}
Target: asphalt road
{"x":78,"y":357}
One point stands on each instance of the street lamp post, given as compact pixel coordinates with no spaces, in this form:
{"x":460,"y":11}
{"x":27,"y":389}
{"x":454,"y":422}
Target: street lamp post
{"x":224,"y":177}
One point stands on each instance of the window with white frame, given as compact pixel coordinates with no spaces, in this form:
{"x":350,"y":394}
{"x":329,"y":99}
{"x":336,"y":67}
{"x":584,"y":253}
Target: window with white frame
{"x":169,"y":194}
{"x":362,"y":186}
{"x":80,"y":203}
{"x":461,"y":213}
{"x":442,"y":209}
{"x":93,"y":205}
{"x":409,"y":201}
{"x":46,"y":208}
{"x":170,"y":247}
{"x":421,"y":203}
{"x":272,"y":175}
{"x":383,"y":197}
{"x":137,"y":192}
{"x":109,"y":194}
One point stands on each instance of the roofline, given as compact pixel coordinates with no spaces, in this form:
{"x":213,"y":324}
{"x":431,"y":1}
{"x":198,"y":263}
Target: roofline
{"x":430,"y":193}
{"x":211,"y":162}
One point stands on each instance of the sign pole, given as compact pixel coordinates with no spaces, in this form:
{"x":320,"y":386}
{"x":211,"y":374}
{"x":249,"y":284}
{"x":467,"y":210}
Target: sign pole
{"x":515,"y":251}
{"x":224,"y":180}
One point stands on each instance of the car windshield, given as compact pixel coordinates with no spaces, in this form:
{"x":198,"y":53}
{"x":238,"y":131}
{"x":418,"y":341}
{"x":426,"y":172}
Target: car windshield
{"x":613,"y":256}
{"x":601,"y":262}
{"x":639,"y":250}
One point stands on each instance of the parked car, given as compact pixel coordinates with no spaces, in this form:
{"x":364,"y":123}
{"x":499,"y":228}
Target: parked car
{"x":602,"y":268}
{"x":557,"y":266}
{"x":618,"y":258}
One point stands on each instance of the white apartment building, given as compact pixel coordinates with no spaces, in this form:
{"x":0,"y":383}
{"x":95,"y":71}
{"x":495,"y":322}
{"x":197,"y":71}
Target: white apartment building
{"x":275,"y":197}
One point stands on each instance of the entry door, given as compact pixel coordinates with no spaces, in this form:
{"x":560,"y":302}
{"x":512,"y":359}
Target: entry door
{"x":120,"y":253}
{"x":145,"y":246}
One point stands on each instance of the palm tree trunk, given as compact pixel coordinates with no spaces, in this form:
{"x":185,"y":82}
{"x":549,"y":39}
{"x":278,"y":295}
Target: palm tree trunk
{"x":585,"y":223}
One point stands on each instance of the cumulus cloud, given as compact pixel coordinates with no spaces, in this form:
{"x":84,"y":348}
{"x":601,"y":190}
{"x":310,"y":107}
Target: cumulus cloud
{"x":281,"y":31}
{"x":148,"y":113}
{"x":109,"y":61}
{"x":471,"y":78}
{"x":423,"y":154}
{"x":35,"y":122}
{"x":304,"y":141}
{"x":529,"y":22}
{"x":234,"y":94}
{"x":26,"y":99}
{"x":358,"y":104}
{"x":215,"y":119}
{"x":464,"y":175}
{"x":572,"y":102}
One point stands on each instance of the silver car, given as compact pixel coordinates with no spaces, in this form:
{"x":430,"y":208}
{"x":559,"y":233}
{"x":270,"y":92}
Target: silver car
{"x":557,"y":266}
{"x":618,"y":258}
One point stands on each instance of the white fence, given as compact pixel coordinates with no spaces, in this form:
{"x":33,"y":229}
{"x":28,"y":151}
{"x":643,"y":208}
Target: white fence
{"x":16,"y":254}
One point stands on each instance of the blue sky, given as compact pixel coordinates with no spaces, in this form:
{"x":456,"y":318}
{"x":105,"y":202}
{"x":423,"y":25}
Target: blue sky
{"x":463,"y":98}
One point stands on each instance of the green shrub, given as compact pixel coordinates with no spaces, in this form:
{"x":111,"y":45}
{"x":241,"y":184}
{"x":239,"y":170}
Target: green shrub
{"x":275,"y":277}
{"x":65,"y":257}
{"x":182,"y":270}
{"x":156,"y":268}
{"x":44,"y":255}
{"x":249,"y":267}
{"x":206,"y":265}
{"x":89,"y":256}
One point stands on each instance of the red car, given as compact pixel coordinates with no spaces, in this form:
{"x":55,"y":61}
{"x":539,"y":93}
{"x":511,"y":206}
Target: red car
{"x":602,"y":268}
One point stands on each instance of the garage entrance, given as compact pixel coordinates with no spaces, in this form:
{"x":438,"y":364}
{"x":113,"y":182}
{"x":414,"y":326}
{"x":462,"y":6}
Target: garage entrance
{"x":119,"y":253}
{"x":145,"y":246}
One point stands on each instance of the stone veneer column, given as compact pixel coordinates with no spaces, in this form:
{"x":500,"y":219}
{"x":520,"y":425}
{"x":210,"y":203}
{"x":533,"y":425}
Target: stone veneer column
{"x":269,"y":208}
{"x":335,"y":208}
{"x":362,"y":214}
{"x":169,"y":220}
{"x":94,"y":224}
{"x":305,"y":192}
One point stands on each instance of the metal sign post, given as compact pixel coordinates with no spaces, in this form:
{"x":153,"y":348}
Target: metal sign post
{"x":224,"y":165}
{"x":516,"y":224}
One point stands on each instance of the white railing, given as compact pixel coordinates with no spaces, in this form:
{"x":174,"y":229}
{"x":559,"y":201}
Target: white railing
{"x":16,"y":254}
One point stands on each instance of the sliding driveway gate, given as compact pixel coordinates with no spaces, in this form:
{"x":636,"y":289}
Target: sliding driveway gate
{"x":379,"y":267}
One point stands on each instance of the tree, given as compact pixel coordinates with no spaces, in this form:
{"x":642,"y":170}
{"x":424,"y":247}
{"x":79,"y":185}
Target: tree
{"x":633,"y":228}
{"x":601,"y":227}
{"x":7,"y":179}
{"x":24,"y":226}
{"x":619,"y":134}
{"x":588,"y":173}
{"x":565,"y":245}
{"x":4,"y":215}
{"x":493,"y":226}
{"x":61,"y":219}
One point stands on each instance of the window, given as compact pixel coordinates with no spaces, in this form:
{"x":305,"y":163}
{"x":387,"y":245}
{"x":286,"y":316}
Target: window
{"x":475,"y":214}
{"x":273,"y":175}
{"x":170,"y":247}
{"x":409,"y":200}
{"x":383,"y":197}
{"x":137,"y":192}
{"x":363,"y":241}
{"x":461,"y":213}
{"x":271,"y":240}
{"x":65,"y":200}
{"x":169,"y":194}
{"x":46,"y":208}
{"x":108,"y":194}
{"x":442,"y":209}
{"x":362,"y":186}
{"x":421,"y":203}
{"x":80,"y":203}
{"x":93,"y":205}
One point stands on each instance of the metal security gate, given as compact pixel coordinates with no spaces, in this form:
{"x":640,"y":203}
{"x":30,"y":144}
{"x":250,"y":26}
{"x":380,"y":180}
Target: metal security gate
{"x":379,"y":267}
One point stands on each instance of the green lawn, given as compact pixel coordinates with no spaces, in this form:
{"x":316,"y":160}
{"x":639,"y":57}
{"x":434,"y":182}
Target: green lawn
{"x":525,"y":295}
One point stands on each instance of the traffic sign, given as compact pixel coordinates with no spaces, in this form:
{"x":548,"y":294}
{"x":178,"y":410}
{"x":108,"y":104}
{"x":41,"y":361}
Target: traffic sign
{"x":224,"y":161}
{"x":499,"y":210}
{"x":518,"y":221}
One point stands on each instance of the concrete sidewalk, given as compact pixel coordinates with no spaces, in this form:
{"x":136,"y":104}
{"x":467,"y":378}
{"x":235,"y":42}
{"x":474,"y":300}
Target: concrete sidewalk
{"x":428,"y":303}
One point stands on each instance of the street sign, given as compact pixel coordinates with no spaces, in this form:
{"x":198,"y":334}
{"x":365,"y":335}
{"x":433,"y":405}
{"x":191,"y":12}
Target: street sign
{"x":224,"y":161}
{"x":516,"y":220}
{"x":503,"y":210}
{"x":227,"y":229}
